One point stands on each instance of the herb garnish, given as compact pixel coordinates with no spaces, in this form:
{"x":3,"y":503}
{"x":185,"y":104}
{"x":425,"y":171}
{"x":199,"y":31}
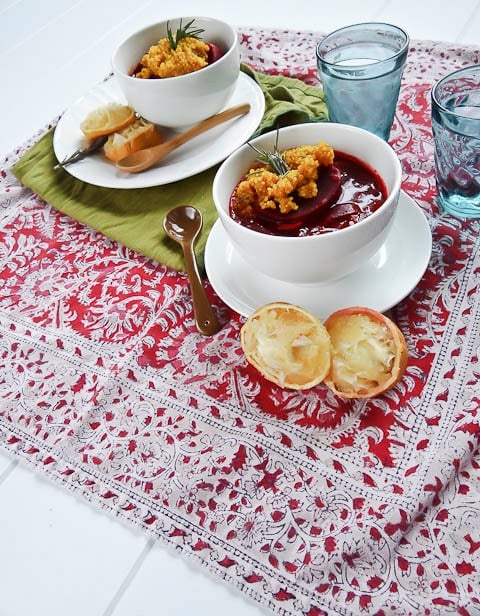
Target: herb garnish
{"x":182,"y":33}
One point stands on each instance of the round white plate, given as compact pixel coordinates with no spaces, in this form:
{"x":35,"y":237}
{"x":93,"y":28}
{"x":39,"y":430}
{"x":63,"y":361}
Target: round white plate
{"x":193,"y":157}
{"x":382,"y":282}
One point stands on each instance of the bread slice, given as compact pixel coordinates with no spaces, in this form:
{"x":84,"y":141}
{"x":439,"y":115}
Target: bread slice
{"x":138,"y":136}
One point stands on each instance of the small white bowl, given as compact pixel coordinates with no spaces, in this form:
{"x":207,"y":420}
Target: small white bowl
{"x":317,"y":258}
{"x":178,"y":102}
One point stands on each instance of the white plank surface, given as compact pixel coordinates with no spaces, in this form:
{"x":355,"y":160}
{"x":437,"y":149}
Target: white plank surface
{"x":59,"y":556}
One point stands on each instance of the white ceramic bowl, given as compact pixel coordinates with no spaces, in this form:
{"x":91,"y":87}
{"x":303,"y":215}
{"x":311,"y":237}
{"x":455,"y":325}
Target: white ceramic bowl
{"x":320,"y":258}
{"x":177,"y":102}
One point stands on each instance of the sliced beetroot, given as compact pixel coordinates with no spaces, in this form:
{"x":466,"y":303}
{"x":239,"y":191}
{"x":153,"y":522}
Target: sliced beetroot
{"x":214,"y":52}
{"x":329,"y":190}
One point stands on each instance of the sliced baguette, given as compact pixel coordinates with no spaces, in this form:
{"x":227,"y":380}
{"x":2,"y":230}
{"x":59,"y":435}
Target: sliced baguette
{"x":139,"y":135}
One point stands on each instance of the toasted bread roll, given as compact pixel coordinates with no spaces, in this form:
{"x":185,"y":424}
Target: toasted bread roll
{"x":287,"y":344}
{"x":139,"y":135}
{"x":369,"y":353}
{"x":358,"y":352}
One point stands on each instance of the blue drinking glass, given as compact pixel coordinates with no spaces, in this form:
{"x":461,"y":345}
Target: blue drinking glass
{"x":361,"y":68}
{"x":456,"y":131}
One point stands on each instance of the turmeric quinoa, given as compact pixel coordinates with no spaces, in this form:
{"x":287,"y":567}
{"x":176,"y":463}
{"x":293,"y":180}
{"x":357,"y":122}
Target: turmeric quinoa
{"x":191,"y":54}
{"x":263,"y":187}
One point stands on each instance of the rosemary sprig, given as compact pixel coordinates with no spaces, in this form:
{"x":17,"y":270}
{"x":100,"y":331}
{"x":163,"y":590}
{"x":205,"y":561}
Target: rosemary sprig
{"x":274,"y":159}
{"x":182,"y":32}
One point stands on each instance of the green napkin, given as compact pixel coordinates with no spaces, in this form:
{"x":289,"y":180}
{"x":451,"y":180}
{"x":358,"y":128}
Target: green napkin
{"x":135,"y":217}
{"x":287,"y":101}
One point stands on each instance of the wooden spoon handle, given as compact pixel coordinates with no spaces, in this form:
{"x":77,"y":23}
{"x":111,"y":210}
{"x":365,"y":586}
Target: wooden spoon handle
{"x":209,"y":123}
{"x":146,"y":158}
{"x":205,"y":318}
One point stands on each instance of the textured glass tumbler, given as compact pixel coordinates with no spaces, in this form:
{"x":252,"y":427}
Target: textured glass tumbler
{"x":361,"y":69}
{"x":456,"y":131}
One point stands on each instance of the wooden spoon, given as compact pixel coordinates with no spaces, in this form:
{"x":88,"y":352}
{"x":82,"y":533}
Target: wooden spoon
{"x":144,"y":159}
{"x":183,"y":225}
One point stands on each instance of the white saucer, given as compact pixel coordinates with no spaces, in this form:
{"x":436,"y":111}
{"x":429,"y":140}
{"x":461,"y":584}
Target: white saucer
{"x":201,"y":153}
{"x":382,"y":282}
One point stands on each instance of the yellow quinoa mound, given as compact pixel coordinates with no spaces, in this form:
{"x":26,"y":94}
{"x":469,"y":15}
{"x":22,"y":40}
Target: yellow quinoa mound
{"x":264,"y":188}
{"x":162,"y":61}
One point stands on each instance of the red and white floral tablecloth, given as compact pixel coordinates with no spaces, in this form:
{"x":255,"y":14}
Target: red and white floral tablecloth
{"x":309,"y":504}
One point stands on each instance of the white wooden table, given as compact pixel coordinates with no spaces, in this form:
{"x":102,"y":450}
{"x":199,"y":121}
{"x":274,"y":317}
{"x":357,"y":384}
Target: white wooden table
{"x":59,"y":556}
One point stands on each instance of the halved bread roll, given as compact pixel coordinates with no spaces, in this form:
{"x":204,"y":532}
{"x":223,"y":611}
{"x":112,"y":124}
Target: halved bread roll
{"x":139,"y":135}
{"x":369,"y":353}
{"x":358,"y":352}
{"x":287,"y":344}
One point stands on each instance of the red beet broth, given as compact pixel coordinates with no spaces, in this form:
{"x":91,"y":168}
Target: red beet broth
{"x":348,"y":192}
